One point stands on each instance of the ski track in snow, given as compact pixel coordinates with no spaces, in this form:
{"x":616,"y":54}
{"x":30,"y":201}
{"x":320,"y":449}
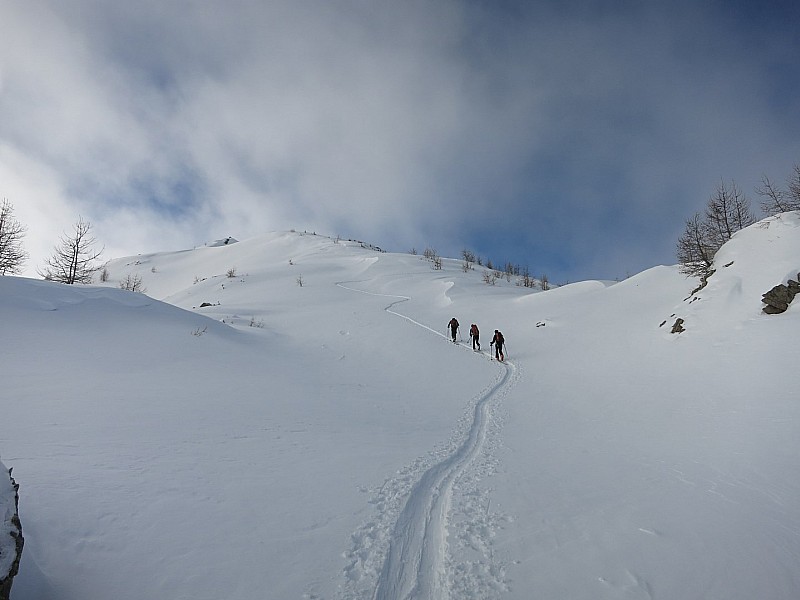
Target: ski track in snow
{"x":403,"y":552}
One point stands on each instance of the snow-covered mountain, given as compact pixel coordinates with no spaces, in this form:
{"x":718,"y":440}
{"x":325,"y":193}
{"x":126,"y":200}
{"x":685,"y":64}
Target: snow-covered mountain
{"x":235,"y":434}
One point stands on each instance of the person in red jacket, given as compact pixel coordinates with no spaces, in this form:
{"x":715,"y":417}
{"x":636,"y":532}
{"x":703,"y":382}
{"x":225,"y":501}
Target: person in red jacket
{"x":475,"y":335}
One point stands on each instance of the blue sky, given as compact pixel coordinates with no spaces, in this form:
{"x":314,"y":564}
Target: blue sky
{"x":572,"y":137}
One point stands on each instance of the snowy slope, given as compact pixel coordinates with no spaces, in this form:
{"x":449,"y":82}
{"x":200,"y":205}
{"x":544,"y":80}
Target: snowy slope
{"x":327,"y":441}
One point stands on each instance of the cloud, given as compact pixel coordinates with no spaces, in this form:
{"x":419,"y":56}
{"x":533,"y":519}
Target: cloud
{"x":563,"y":134}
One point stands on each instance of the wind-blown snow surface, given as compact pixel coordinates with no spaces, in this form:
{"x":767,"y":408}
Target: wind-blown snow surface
{"x":327,"y":441}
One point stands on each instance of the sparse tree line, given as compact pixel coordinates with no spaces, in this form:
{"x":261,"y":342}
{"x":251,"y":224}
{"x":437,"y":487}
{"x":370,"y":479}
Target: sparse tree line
{"x":728,"y":211}
{"x":509,"y":271}
{"x":75,"y":258}
{"x":490,"y":274}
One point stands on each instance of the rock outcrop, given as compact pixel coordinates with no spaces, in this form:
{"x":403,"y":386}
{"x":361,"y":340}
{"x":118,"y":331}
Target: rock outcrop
{"x":678,"y":326}
{"x":11,"y":547}
{"x":778,"y":299}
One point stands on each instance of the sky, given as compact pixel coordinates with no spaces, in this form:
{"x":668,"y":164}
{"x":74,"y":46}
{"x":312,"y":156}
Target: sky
{"x":574,"y":138}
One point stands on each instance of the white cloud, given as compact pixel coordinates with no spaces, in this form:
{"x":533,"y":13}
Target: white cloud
{"x":410,"y":123}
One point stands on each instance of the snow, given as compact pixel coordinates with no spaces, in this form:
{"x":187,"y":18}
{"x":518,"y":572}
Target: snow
{"x":326,"y":441}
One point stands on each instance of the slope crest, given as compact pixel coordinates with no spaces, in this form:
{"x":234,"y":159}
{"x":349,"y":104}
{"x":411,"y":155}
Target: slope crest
{"x":753,"y":261}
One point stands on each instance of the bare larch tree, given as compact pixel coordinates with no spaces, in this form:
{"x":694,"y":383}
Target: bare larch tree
{"x":727,"y":211}
{"x":74,"y":259}
{"x":12,"y":254}
{"x":775,"y":200}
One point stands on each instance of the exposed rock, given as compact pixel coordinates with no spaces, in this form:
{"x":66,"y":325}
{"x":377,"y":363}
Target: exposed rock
{"x":678,"y":326}
{"x":779,"y":296}
{"x":703,"y":283}
{"x":7,"y":579}
{"x":777,"y":300}
{"x":772,"y":310}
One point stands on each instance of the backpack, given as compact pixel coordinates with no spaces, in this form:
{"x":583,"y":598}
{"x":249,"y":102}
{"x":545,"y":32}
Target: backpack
{"x":500,"y":338}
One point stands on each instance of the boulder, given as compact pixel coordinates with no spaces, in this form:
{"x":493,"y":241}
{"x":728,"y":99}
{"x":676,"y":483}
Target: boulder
{"x":772,"y":310}
{"x":777,"y":299}
{"x":678,"y":326}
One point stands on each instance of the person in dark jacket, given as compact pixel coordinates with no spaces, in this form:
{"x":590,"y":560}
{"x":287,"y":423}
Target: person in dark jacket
{"x":498,"y":341}
{"x":475,"y":335}
{"x":453,"y":325}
